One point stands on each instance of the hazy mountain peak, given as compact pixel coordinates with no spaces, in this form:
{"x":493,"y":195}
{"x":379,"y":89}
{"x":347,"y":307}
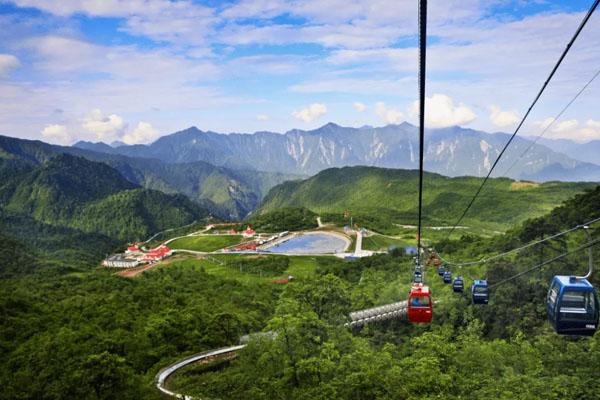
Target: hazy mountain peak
{"x":450,"y":151}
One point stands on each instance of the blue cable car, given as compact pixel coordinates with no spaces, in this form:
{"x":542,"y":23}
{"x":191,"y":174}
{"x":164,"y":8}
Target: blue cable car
{"x":441,"y":269}
{"x":458,"y":286}
{"x":480,"y":292}
{"x":447,"y":277}
{"x":572,"y":306}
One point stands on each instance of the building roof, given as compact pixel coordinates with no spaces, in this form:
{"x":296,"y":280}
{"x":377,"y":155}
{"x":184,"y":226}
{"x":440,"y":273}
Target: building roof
{"x":565,"y":280}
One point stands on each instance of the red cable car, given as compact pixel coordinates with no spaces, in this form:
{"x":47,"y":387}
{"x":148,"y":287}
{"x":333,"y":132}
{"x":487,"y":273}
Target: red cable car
{"x":420,"y":305}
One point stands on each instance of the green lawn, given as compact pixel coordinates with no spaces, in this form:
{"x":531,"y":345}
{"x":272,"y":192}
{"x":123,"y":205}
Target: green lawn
{"x":377,"y":243}
{"x":205,"y":242}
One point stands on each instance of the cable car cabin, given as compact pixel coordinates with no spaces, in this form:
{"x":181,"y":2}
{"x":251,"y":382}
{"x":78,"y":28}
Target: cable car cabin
{"x":441,"y":270}
{"x":572,"y":306}
{"x":480,"y":292}
{"x":447,"y":277}
{"x":420,"y":306}
{"x":458,"y":286}
{"x":418,"y":277}
{"x":436,"y":262}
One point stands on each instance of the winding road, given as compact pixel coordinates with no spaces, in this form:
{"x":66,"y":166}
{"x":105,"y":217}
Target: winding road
{"x":358,"y":318}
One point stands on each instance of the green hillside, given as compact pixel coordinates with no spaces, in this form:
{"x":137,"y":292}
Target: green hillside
{"x":227,"y":193}
{"x":89,"y":197}
{"x":380,"y":198}
{"x":86,"y":331}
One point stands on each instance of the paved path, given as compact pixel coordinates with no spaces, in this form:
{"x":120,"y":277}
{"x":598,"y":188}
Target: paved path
{"x":358,"y":318}
{"x":358,"y":247}
{"x":435,"y":228}
{"x":164,"y":374}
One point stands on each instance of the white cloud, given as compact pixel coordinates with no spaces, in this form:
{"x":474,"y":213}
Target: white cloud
{"x":56,"y":133}
{"x":570,"y":129}
{"x":358,"y":106}
{"x":163,"y":20}
{"x":591,"y":131}
{"x":8,"y":62}
{"x":440,"y":111}
{"x":106,"y":128}
{"x":142,"y":133}
{"x":503,"y":118}
{"x":311,"y":112}
{"x":388,"y":115}
{"x":566,"y":126}
{"x":262,"y":117}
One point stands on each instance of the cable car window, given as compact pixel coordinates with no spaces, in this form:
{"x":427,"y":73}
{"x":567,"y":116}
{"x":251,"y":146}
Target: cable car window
{"x":553,"y":293}
{"x":577,"y":305}
{"x":480,"y":289}
{"x":420,"y":301}
{"x":575,"y":299}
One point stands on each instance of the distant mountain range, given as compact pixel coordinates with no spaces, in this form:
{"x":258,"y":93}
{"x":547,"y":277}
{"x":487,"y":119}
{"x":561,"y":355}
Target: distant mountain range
{"x":450,"y":151}
{"x":588,"y":152}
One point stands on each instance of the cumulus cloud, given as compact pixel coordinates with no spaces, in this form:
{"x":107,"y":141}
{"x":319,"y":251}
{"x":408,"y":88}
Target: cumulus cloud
{"x":142,"y":133}
{"x":8,"y":62}
{"x":591,"y":131}
{"x":388,"y":115}
{"x":311,"y":112}
{"x":440,"y":111}
{"x":262,"y":117}
{"x":502,"y":118}
{"x":56,"y":133}
{"x":360,"y":107}
{"x":106,"y":128}
{"x":570,"y":129}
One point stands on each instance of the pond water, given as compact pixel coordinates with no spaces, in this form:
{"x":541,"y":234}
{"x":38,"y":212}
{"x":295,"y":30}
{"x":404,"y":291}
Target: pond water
{"x":318,"y":243}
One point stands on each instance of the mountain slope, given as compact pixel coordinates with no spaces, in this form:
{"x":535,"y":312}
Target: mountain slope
{"x":588,"y":152}
{"x":450,"y":151}
{"x":390,"y":195}
{"x":90,"y":197}
{"x":227,"y":193}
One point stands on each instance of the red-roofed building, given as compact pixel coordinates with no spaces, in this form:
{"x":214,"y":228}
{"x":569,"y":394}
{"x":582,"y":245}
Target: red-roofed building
{"x":249,"y":232}
{"x":157,"y":254}
{"x":133,"y":248}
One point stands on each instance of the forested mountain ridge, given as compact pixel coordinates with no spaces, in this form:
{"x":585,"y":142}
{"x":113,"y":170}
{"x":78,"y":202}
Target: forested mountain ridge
{"x":225,"y":192}
{"x":72,"y":192}
{"x":452,"y":151}
{"x":391,"y":194}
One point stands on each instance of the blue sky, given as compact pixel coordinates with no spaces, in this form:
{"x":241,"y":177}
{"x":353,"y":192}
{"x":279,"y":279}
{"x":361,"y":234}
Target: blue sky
{"x":106,"y":70}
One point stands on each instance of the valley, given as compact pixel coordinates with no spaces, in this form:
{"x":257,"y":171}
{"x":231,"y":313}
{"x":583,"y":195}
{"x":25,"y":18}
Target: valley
{"x":249,"y":251}
{"x":299,"y":200}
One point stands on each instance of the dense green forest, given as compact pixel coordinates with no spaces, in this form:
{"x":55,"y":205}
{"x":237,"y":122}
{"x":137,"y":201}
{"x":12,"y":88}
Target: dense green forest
{"x":85,"y":197}
{"x":376,"y":197}
{"x":69,"y":329}
{"x":282,"y":219}
{"x":503,"y":350}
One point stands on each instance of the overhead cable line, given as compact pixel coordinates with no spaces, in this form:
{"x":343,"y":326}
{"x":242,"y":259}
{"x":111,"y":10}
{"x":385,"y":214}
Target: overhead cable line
{"x":578,"y":249}
{"x":556,"y":118}
{"x":422,"y":60}
{"x":535,"y":100}
{"x":531,"y":244}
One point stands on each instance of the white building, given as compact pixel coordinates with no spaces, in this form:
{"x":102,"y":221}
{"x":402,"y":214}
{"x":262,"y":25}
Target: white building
{"x":120,"y":261}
